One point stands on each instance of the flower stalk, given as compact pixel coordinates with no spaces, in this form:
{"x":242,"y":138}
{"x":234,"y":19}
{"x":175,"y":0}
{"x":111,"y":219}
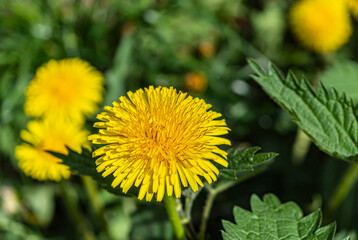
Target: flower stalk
{"x":213,"y":192}
{"x":342,"y":190}
{"x":170,"y":206}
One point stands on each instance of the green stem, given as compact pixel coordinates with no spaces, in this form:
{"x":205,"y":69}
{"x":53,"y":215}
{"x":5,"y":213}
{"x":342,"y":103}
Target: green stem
{"x":213,"y":192}
{"x":206,"y":213}
{"x":343,"y":188}
{"x":174,"y":218}
{"x":300,"y":147}
{"x":95,"y":202}
{"x":189,"y":202}
{"x":74,"y":212}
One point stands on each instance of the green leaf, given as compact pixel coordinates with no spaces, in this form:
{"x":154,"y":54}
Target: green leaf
{"x":341,"y":235}
{"x":84,"y":164}
{"x":327,"y":117}
{"x":244,"y":160}
{"x":343,"y":76}
{"x":270,"y":219}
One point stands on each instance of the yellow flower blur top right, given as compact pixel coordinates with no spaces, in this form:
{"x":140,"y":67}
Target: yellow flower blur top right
{"x":321,"y":25}
{"x":69,"y":89}
{"x":159,"y":139}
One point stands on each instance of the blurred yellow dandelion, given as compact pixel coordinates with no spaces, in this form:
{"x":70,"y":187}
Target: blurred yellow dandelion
{"x":159,"y":139}
{"x":321,"y":25}
{"x":66,"y":89}
{"x":53,"y":136}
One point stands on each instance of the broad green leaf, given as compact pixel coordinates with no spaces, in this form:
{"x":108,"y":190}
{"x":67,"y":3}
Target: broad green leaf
{"x":244,"y":160}
{"x":84,"y":164}
{"x":343,"y":76}
{"x":270,"y":219}
{"x":327,"y":117}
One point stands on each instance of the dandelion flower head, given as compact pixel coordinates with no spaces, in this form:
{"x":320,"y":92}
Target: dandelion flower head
{"x":321,"y":25}
{"x":159,"y":139}
{"x":66,"y":89}
{"x":43,"y":136}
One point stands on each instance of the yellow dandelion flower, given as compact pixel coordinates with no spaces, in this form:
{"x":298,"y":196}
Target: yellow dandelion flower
{"x":353,"y":6}
{"x":321,"y":25}
{"x":159,"y":139}
{"x":43,"y":136}
{"x":66,"y":89}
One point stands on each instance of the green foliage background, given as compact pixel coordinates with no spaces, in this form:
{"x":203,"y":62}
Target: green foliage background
{"x":147,"y":42}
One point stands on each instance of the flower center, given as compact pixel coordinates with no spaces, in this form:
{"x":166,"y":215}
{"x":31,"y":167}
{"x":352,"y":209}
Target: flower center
{"x":164,"y":140}
{"x":66,"y":91}
{"x":55,"y":145}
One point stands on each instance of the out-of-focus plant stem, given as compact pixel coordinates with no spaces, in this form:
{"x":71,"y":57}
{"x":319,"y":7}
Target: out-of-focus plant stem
{"x":170,"y":205}
{"x":213,"y":192}
{"x":206,"y":212}
{"x":72,"y":209}
{"x":342,"y":190}
{"x":300,"y":147}
{"x":95,"y":202}
{"x":189,"y":202}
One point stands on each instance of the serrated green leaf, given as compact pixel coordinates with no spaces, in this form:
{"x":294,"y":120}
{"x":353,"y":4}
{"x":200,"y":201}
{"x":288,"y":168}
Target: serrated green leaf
{"x":327,"y":117}
{"x":308,"y":224}
{"x":326,"y":233}
{"x":270,"y":219}
{"x":235,"y":231}
{"x":272,"y":200}
{"x":84,"y":164}
{"x":343,"y":76}
{"x":226,"y":236}
{"x":244,"y":160}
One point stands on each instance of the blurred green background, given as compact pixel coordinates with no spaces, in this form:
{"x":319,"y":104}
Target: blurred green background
{"x":199,"y":46}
